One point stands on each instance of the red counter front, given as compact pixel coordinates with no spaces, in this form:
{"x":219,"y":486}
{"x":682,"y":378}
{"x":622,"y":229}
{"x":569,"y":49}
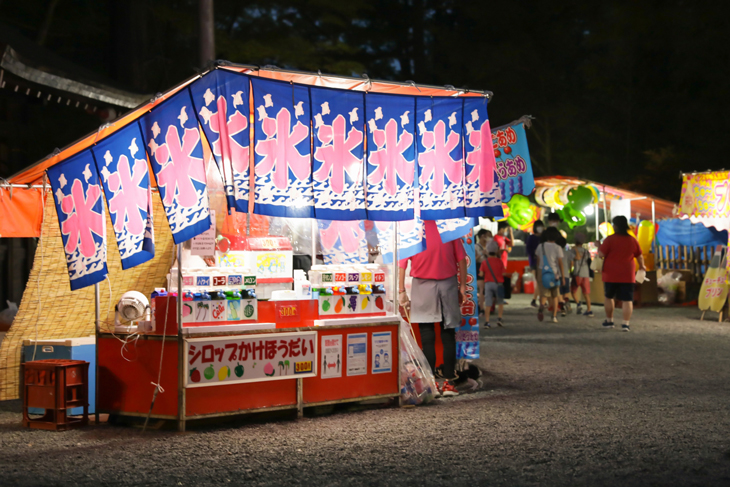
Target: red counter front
{"x":128,"y":371}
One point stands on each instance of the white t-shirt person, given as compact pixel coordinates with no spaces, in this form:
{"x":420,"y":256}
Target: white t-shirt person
{"x":552,"y":252}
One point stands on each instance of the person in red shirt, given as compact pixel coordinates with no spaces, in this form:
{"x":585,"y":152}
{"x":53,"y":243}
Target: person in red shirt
{"x":492,"y":271}
{"x":436,"y":294}
{"x":504,"y":242}
{"x":619,"y":271}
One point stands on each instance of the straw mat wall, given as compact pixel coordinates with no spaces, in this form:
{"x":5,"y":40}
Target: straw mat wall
{"x":50,"y":310}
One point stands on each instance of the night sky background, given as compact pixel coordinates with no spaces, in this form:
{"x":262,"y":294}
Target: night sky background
{"x":625,"y":92}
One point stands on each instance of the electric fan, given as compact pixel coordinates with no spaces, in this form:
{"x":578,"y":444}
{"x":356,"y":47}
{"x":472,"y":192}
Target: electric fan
{"x":134,"y":309}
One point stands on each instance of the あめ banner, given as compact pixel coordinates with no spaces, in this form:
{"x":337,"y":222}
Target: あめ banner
{"x":77,"y":195}
{"x":513,"y":161}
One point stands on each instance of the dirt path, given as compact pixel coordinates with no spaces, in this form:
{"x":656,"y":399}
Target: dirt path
{"x":566,"y":403}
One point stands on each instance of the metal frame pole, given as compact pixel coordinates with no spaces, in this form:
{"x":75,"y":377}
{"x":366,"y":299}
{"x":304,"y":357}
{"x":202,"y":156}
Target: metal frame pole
{"x":314,"y":242}
{"x":180,"y":346}
{"x":596,"y":215}
{"x":394,"y":291}
{"x":97,"y":321}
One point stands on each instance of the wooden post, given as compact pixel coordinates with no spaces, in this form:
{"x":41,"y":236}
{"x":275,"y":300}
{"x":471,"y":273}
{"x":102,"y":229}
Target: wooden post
{"x":300,"y":398}
{"x":685,"y":262}
{"x":97,"y":312}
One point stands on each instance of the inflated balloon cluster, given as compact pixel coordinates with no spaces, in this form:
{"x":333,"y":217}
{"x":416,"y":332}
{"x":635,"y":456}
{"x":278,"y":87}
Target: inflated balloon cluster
{"x":520,"y":213}
{"x":572,"y":211}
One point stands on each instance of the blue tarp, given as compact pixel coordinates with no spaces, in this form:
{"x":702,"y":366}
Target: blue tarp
{"x":684,"y":232}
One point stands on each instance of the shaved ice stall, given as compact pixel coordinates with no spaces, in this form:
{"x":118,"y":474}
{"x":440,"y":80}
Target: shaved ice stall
{"x":290,"y":198}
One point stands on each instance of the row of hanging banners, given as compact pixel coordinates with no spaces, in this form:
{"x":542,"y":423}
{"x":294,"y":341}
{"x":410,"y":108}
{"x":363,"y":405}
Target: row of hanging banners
{"x":340,"y":156}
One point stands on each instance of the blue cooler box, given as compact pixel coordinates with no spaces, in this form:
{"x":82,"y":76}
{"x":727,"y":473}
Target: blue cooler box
{"x":70,"y":349}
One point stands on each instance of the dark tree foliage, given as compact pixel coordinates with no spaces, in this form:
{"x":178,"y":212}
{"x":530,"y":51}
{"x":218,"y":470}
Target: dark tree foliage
{"x":623,"y":92}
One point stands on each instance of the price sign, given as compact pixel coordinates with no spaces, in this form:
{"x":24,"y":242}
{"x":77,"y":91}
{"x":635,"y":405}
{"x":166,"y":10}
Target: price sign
{"x":287,"y":311}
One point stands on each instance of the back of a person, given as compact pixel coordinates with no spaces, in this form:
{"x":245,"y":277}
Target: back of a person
{"x":619,"y":252}
{"x":551,"y":251}
{"x":582,"y":268}
{"x":497,"y":268}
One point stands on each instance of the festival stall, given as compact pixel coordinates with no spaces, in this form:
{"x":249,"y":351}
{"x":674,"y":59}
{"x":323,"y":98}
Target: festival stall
{"x":705,"y":199}
{"x":587,"y":206}
{"x":233,"y":153}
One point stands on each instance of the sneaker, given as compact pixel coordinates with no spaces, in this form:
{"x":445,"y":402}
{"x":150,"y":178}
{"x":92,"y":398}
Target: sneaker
{"x":446,"y":389}
{"x":563,"y":313}
{"x":625,"y":328}
{"x":579,"y":310}
{"x":588,"y":314}
{"x":567,"y":308}
{"x":533,"y":303}
{"x":487,"y":325}
{"x":499,"y":322}
{"x":555,"y":319}
{"x":540,"y":313}
{"x":607,"y":324}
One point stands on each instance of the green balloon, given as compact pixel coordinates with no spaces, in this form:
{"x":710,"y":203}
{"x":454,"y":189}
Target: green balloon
{"x":580,"y":197}
{"x":520,"y":211}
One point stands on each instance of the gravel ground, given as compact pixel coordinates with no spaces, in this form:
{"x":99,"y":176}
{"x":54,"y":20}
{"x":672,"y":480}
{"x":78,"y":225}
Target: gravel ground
{"x":566,"y":403}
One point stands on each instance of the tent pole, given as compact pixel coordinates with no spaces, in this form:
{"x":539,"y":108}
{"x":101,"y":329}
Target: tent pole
{"x":395,"y":269}
{"x":180,"y":346}
{"x":314,"y":242}
{"x":595,"y":212}
{"x":97,"y":320}
{"x":653,"y":213}
{"x":605,"y":214}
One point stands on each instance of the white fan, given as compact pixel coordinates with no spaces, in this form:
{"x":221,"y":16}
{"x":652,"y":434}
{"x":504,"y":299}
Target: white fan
{"x":134,"y":309}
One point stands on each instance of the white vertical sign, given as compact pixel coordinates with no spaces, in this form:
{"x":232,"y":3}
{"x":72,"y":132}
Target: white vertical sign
{"x":332,"y":358}
{"x":357,"y":354}
{"x":382,"y":352}
{"x":204,"y":244}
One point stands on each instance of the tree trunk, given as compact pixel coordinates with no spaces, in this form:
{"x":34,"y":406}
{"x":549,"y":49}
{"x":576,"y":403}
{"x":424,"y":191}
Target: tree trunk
{"x":46,"y":25}
{"x":207,"y":33}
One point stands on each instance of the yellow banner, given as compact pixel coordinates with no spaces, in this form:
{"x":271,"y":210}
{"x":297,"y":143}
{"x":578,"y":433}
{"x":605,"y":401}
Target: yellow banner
{"x":707,"y":197}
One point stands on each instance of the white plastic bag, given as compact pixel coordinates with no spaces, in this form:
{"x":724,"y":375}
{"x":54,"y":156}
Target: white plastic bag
{"x":418,"y":385}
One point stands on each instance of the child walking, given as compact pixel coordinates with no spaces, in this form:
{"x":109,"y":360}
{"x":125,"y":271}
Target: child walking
{"x":581,"y":274}
{"x":549,"y":253}
{"x":492,"y":271}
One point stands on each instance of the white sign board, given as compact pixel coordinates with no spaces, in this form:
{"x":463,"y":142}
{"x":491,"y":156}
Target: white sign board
{"x":215,"y":361}
{"x":621,"y":208}
{"x":204,"y":244}
{"x":331,"y":356}
{"x":357,"y":354}
{"x":382,"y":352}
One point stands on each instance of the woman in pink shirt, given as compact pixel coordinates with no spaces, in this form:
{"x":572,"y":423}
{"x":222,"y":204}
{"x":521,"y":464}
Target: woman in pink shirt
{"x":436,"y":294}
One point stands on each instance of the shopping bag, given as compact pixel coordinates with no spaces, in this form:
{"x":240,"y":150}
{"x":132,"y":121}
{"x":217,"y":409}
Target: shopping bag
{"x":418,"y":385}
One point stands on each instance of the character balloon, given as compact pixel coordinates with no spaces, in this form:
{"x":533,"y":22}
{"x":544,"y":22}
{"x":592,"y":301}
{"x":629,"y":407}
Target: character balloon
{"x":522,"y":213}
{"x":572,"y":212}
